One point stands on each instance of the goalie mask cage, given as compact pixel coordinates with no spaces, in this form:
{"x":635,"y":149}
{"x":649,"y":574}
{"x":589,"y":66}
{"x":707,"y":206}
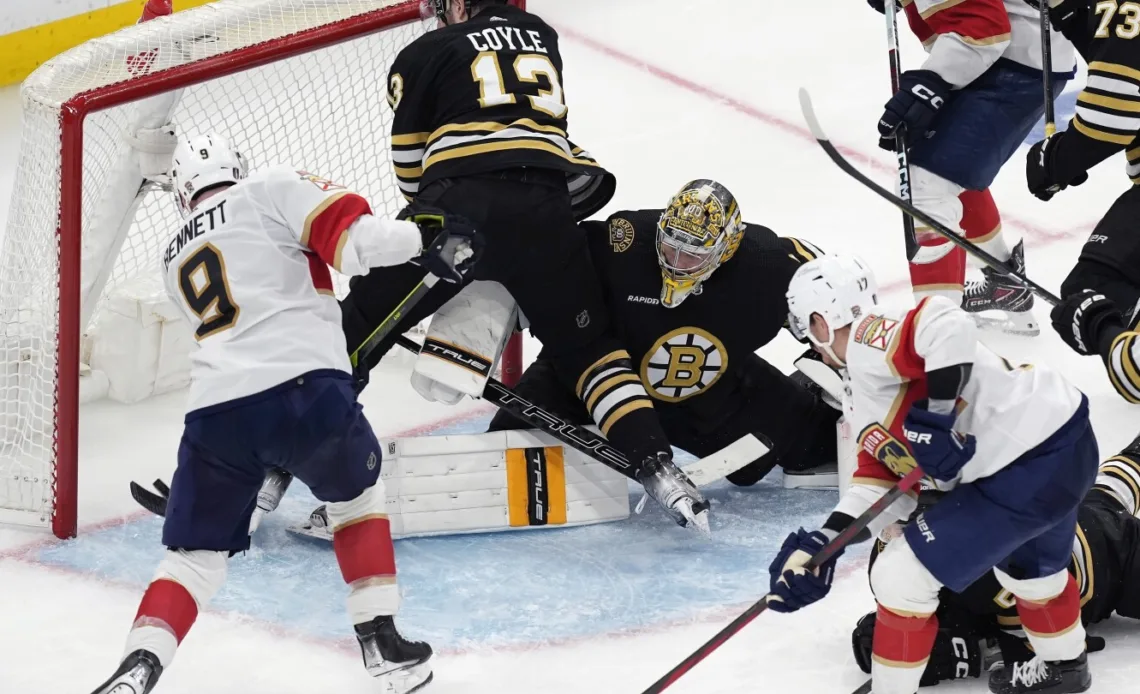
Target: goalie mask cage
{"x":300,"y":82}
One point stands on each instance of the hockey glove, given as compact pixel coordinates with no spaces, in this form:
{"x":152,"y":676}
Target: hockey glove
{"x":1081,"y":318}
{"x":791,"y":587}
{"x":939,"y":450}
{"x":1040,"y":170}
{"x":452,"y":246}
{"x":913,"y":107}
{"x":1070,"y":17}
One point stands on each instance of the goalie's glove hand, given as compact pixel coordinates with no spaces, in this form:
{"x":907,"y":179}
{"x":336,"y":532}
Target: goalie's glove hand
{"x":1081,"y":318}
{"x":791,"y":585}
{"x":452,"y":246}
{"x":1041,"y":174}
{"x":921,"y":94}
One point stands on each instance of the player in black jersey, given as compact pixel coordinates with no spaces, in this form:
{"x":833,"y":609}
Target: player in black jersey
{"x":1105,"y":564}
{"x":480,"y":131}
{"x":1098,"y":313}
{"x":693,"y":293}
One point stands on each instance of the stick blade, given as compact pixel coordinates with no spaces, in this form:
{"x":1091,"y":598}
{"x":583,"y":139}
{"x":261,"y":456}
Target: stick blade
{"x":809,"y":115}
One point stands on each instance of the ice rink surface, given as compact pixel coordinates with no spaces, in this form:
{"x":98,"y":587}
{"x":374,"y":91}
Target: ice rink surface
{"x":661,"y":92}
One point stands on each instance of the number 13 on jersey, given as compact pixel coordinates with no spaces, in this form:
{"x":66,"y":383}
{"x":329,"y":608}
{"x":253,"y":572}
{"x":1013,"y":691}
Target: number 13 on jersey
{"x":528,"y":68}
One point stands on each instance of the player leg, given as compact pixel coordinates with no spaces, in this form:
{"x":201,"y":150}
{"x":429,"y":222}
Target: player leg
{"x":536,"y":250}
{"x":540,"y":384}
{"x":336,"y":454}
{"x":212,"y":495}
{"x":977,"y":131}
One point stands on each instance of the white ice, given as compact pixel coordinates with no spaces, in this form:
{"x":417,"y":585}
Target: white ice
{"x":661,"y":92}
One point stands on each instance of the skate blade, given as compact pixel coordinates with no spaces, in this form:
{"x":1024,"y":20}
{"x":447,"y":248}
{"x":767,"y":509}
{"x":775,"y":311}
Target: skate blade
{"x":405,"y":680}
{"x":698,"y":521}
{"x":1011,"y":324}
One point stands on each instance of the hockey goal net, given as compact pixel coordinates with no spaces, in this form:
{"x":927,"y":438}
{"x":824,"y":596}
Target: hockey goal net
{"x":291,"y":81}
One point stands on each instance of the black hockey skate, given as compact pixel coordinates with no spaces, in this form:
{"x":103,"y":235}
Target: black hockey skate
{"x":136,"y":675}
{"x":401,"y":666}
{"x":674,"y":491}
{"x":1039,"y":677}
{"x":995,"y":292}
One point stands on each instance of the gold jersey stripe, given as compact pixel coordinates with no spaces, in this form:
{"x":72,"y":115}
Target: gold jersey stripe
{"x":988,"y":41}
{"x":938,"y":7}
{"x":502,"y":146}
{"x":1091,"y":132}
{"x":615,"y":415}
{"x":808,"y":255}
{"x":492,"y":127}
{"x":615,"y":355}
{"x":608,"y":385}
{"x":408,"y":171}
{"x":410,"y":139}
{"x":1115,"y":69}
{"x":1112,"y":102}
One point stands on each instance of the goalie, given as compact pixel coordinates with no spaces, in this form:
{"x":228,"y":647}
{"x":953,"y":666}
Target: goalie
{"x":271,"y":387}
{"x":694,"y":292}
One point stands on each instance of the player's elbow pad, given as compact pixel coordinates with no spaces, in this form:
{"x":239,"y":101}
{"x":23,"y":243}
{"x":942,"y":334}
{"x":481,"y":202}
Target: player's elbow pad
{"x":377,"y":242}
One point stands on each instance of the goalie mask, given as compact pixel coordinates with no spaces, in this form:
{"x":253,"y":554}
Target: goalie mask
{"x":699,"y":230}
{"x":203,"y":162}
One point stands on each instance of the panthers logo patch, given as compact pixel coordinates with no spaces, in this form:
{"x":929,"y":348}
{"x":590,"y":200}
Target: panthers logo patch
{"x":683,"y":363}
{"x":323,"y":183}
{"x":881,"y":445}
{"x":876,"y":331}
{"x":621,"y":234}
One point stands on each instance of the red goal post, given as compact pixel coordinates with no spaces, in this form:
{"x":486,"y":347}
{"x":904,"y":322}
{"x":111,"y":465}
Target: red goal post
{"x":296,"y":81}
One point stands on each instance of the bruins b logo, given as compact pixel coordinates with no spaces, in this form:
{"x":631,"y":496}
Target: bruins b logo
{"x":683,"y":363}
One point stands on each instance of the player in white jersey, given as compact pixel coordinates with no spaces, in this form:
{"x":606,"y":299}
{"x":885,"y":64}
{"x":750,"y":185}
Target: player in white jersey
{"x":964,"y":112}
{"x":1012,"y":445}
{"x":271,"y":387}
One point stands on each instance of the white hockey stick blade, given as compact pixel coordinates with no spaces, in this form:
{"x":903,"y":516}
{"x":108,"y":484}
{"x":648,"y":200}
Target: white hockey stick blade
{"x":725,"y":461}
{"x":823,"y":376}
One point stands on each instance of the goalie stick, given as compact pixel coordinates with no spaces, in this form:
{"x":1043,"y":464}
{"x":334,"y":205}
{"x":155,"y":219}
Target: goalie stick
{"x":829,"y":550}
{"x":919,"y":215}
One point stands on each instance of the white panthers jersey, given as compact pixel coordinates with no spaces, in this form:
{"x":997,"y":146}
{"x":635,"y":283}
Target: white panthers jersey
{"x":966,"y":37}
{"x":1009,"y":408}
{"x":250,"y":272}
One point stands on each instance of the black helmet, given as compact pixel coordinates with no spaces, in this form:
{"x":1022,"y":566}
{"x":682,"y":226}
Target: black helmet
{"x":439,"y":8}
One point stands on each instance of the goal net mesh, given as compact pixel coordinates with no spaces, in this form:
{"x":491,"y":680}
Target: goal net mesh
{"x":323,"y":111}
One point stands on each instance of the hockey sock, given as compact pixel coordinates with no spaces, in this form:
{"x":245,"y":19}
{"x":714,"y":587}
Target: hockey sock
{"x":981,"y":223}
{"x":1054,"y":626}
{"x":619,"y":405}
{"x":1119,"y":476}
{"x":362,"y":541}
{"x":184,"y":582}
{"x":900,"y":650}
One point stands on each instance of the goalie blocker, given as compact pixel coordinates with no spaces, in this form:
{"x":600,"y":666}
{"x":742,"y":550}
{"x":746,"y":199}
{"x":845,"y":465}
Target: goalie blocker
{"x":506,"y":480}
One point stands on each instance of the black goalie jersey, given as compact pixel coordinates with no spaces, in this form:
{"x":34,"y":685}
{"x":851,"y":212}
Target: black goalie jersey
{"x":486,"y":95}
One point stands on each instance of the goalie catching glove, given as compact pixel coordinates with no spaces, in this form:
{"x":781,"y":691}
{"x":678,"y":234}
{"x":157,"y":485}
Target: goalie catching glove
{"x":452,"y":246}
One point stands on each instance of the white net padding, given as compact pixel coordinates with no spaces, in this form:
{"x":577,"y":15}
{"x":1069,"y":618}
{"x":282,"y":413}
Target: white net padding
{"x":324,"y":111}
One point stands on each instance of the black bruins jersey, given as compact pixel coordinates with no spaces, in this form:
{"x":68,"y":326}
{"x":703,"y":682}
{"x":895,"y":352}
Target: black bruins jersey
{"x":741,"y":307}
{"x":1108,"y":108}
{"x":486,"y":95}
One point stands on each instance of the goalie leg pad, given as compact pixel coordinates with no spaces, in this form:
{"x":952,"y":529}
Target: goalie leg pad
{"x":362,"y":541}
{"x":185,"y":581}
{"x":466,"y":337}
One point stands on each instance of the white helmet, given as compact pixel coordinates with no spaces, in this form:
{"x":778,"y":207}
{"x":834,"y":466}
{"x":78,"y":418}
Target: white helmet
{"x":840,"y":288}
{"x":202,"y":162}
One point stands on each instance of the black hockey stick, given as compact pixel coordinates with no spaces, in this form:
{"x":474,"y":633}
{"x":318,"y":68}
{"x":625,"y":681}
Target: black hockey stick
{"x":864,"y":688}
{"x":895,"y":59}
{"x":595,"y":446}
{"x":919,"y":215}
{"x":829,"y":550}
{"x":155,"y":503}
{"x":1047,"y":69}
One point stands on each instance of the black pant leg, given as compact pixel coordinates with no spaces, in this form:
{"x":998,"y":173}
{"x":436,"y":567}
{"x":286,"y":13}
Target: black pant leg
{"x":1110,"y":259}
{"x":540,"y":384}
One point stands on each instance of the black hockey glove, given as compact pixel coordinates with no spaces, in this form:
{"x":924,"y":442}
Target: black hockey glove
{"x":880,"y":6}
{"x":1070,"y":17}
{"x":913,"y":107}
{"x":1082,"y":320}
{"x":452,"y":246}
{"x":1040,"y":169}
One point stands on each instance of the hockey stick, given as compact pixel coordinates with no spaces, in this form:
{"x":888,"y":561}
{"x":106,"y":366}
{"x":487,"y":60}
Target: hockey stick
{"x":708,"y":469}
{"x":1047,"y":69}
{"x":389,"y":324}
{"x":895,"y":59}
{"x":935,"y":225}
{"x":864,"y":688}
{"x":155,"y":503}
{"x":829,"y":550}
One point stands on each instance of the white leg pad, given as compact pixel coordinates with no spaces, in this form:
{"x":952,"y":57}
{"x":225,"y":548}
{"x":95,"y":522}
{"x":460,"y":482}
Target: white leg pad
{"x":901,"y":583}
{"x":938,"y":198}
{"x":464,"y":342}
